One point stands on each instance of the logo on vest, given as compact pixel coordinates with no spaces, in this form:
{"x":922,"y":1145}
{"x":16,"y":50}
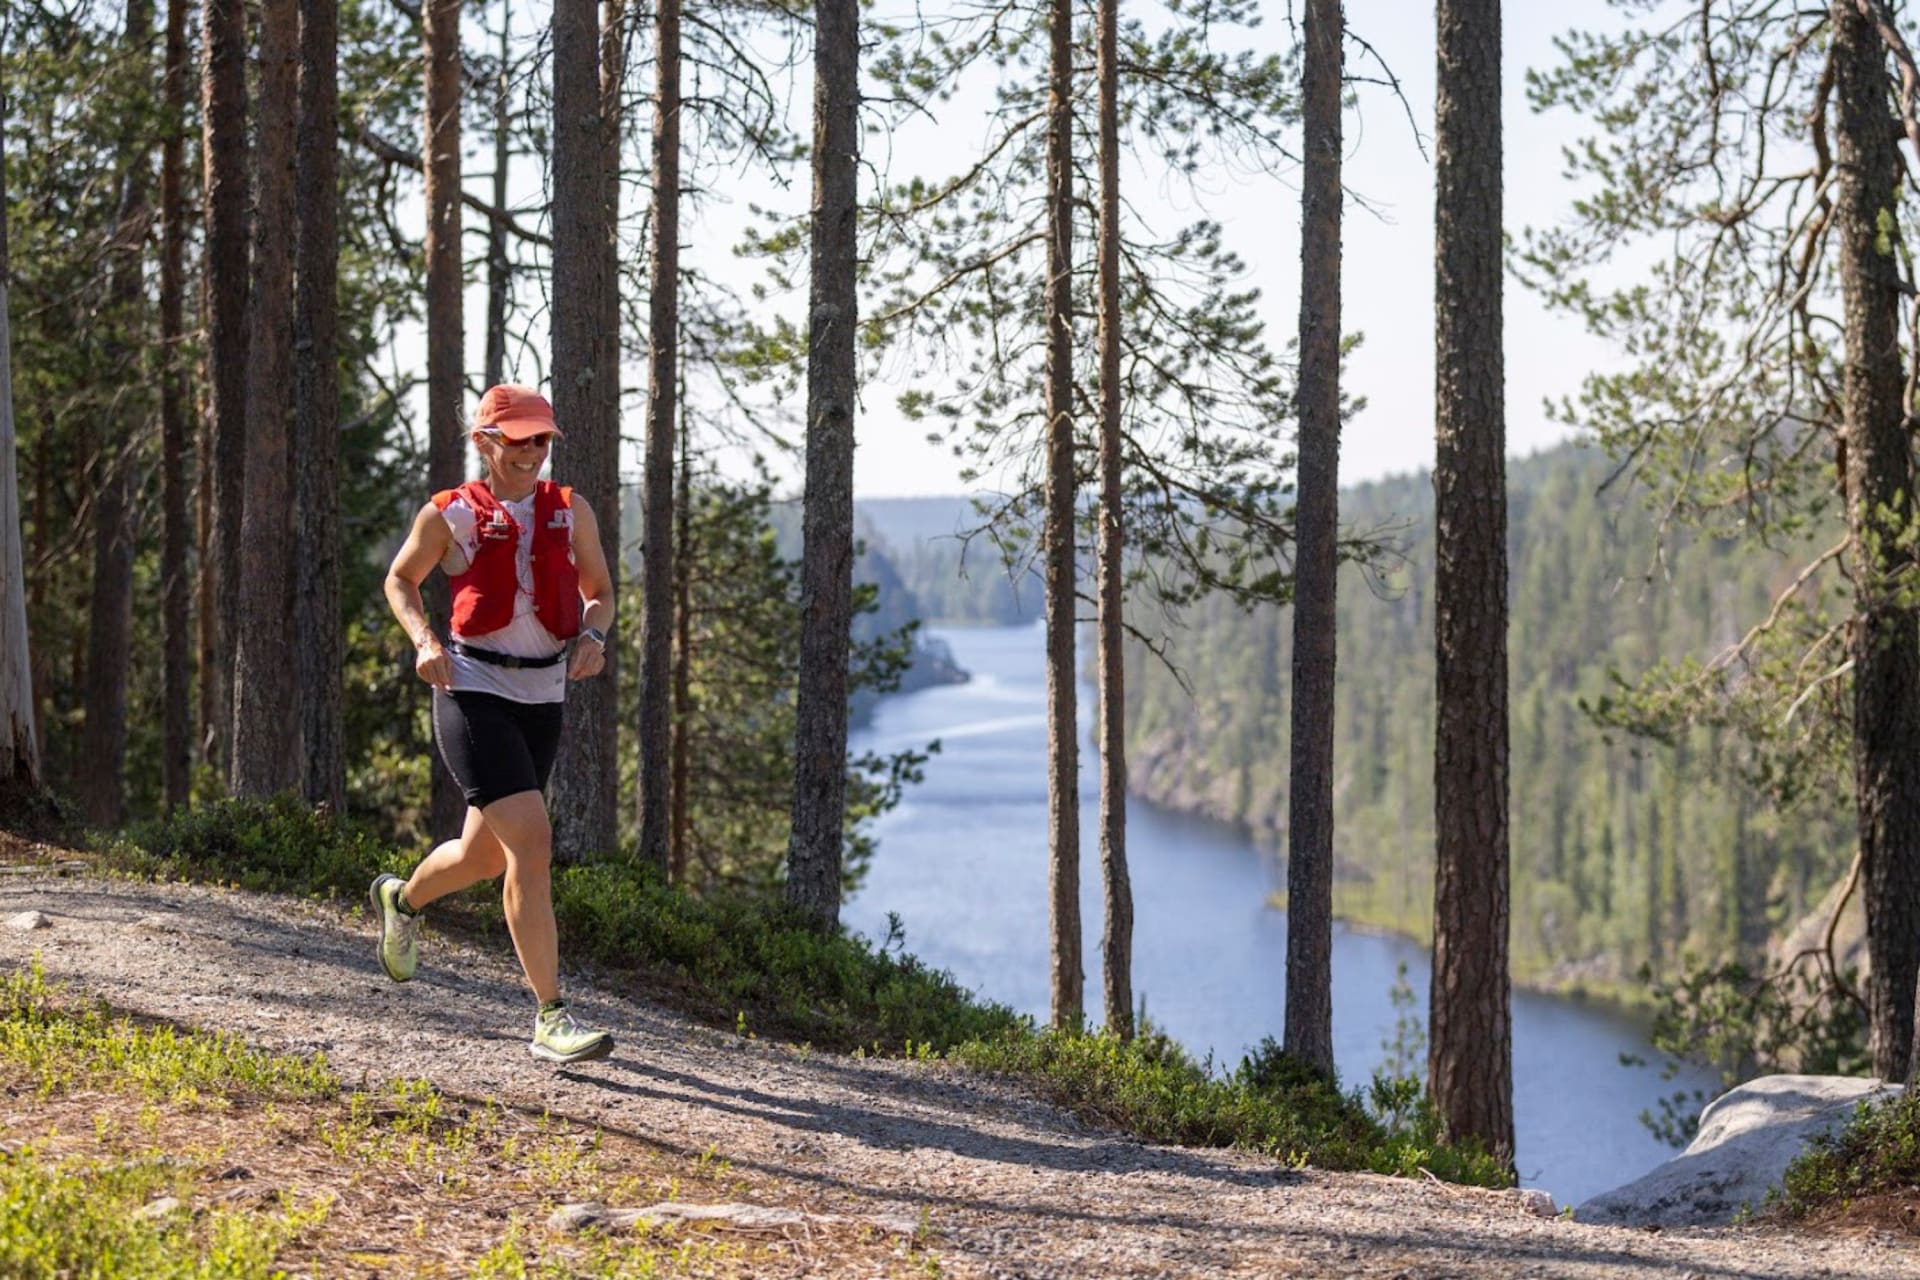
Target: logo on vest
{"x":498,"y":529}
{"x":562,"y":519}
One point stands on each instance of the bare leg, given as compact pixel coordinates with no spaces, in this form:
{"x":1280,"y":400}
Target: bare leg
{"x":456,"y":864}
{"x":519,"y":826}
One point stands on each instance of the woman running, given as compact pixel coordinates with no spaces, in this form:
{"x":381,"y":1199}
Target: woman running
{"x":532,"y":600}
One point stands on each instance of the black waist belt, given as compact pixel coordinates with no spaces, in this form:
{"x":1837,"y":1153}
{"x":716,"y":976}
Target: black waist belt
{"x":504,"y":659}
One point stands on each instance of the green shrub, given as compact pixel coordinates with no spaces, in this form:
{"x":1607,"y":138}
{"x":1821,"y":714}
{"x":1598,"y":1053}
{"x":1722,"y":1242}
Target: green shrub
{"x":1876,"y":1153}
{"x":280,"y":845}
{"x":1272,"y":1103}
{"x":755,"y":964}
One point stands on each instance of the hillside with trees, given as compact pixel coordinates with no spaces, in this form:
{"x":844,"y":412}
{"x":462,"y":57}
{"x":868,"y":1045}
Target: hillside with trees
{"x":1625,"y":851}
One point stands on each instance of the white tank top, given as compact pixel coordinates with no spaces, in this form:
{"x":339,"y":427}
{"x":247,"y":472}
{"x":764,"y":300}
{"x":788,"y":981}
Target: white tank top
{"x":524,"y":637}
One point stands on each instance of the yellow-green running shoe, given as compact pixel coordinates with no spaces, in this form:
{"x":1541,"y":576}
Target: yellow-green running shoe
{"x":559,"y":1037}
{"x":399,"y":932}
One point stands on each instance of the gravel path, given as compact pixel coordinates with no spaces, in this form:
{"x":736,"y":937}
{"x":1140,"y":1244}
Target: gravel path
{"x":1008,"y":1186}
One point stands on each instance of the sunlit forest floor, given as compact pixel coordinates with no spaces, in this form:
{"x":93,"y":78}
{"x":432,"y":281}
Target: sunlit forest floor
{"x":881,"y":1166}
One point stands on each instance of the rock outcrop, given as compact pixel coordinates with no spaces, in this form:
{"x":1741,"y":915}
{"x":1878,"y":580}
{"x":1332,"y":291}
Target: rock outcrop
{"x":1747,"y":1138}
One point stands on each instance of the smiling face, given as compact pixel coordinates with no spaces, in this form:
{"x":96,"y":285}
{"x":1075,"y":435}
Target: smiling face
{"x":512,"y":465}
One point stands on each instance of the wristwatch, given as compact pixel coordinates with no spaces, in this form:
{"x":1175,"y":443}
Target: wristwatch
{"x":596,"y":635}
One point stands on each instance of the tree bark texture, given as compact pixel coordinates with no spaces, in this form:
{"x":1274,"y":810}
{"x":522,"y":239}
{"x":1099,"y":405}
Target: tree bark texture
{"x":1470,"y":1058}
{"x":321,"y":645}
{"x":601,"y":695}
{"x":1116,"y":944}
{"x":1309,"y":1017}
{"x":499,"y":271}
{"x":100,"y":782}
{"x":657,"y":726}
{"x":224,"y":198}
{"x":826,"y":568}
{"x":1068,"y":985}
{"x":446,"y":331}
{"x":176,"y":742}
{"x":1885,"y":643}
{"x":19,"y":745}
{"x":682,"y":668}
{"x":583,"y":790}
{"x":267,"y":754}
{"x":211,"y":690}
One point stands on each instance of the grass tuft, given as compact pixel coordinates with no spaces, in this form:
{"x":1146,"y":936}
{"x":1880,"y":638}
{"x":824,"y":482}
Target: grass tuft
{"x":60,"y":1048}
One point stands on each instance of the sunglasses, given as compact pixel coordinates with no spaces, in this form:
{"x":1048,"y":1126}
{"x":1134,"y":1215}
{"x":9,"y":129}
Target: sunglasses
{"x":540,"y":441}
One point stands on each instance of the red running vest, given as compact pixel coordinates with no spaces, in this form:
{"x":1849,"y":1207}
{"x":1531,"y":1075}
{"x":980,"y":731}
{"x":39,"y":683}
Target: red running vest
{"x":483,"y":596}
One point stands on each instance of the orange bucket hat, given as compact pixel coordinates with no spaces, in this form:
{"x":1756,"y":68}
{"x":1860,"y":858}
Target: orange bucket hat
{"x":516,"y":412}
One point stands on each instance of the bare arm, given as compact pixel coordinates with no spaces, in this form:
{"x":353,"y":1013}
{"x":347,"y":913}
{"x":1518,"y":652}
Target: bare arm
{"x":596,"y":591}
{"x":426,"y":545}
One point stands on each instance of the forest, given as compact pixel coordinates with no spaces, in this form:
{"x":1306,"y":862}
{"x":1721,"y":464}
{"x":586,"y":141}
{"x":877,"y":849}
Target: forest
{"x":1628,"y":850}
{"x":1566,"y":716}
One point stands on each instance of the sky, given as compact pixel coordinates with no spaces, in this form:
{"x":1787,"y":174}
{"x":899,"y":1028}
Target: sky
{"x":1387,"y":261}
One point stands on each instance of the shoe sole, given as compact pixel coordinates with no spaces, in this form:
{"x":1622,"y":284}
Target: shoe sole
{"x":593,"y":1052}
{"x":380,"y":914}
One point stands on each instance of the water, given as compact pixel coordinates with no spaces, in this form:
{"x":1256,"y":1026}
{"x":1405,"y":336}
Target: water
{"x":963,"y":863}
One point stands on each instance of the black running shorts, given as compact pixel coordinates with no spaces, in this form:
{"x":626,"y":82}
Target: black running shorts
{"x":496,"y":747}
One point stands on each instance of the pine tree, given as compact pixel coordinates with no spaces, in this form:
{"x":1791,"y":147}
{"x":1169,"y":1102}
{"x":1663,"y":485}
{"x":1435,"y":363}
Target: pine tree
{"x":658,"y":577}
{"x":584,"y":789}
{"x":1470,"y":1062}
{"x":175,"y":426}
{"x":223,"y":149}
{"x":814,"y":855}
{"x":19,"y":745}
{"x":102,"y":784}
{"x":267,"y":755}
{"x":1309,"y":1029}
{"x":446,"y":329}
{"x":1116,"y":946}
{"x":316,"y":426}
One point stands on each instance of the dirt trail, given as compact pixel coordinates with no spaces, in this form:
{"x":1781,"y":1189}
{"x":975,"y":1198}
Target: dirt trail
{"x":1006,"y":1185}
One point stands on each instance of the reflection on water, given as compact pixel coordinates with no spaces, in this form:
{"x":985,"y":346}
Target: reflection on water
{"x":963,"y":864}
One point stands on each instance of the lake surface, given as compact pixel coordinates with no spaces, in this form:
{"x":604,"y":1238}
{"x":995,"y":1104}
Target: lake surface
{"x":963,"y":862}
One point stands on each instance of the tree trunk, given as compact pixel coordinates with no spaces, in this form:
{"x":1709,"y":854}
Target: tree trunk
{"x":101,"y":779}
{"x":1063,"y":743}
{"x":211,"y":723}
{"x":1470,"y":1059}
{"x":604,"y":689}
{"x":267,"y":754}
{"x":446,"y":334}
{"x":584,"y":785}
{"x":1309,"y":1018}
{"x":1885,"y":643}
{"x":19,"y":746}
{"x":682,"y":665}
{"x":223,"y":194}
{"x":657,"y":727}
{"x":826,"y":568}
{"x":100,"y":776}
{"x":1116,"y":945}
{"x":499,"y":271}
{"x":318,"y":619}
{"x":176,"y":744}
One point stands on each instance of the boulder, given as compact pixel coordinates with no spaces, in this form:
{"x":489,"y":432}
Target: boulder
{"x":1747,"y":1138}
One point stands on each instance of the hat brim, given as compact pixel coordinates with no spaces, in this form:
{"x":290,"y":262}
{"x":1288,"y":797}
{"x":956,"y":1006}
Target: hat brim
{"x":523,"y":428}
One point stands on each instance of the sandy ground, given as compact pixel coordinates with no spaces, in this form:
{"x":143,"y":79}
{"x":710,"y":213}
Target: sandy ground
{"x":1005,"y":1185}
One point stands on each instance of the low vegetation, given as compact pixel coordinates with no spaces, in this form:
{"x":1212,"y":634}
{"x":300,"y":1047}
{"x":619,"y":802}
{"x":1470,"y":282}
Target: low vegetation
{"x":1869,"y":1171}
{"x":750,"y":965}
{"x":141,"y":1152}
